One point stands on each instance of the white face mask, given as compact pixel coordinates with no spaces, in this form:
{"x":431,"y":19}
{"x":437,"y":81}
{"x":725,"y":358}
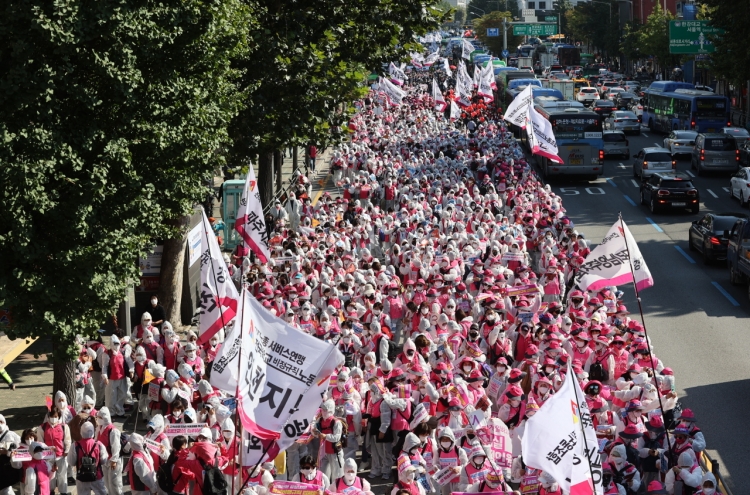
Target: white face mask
{"x":709,"y":491}
{"x":38,"y":457}
{"x":214,"y":342}
{"x":549,"y":370}
{"x":543,"y":390}
{"x":376,"y":312}
{"x":190,"y":354}
{"x":309,"y":473}
{"x":86,"y":410}
{"x":228,"y":435}
{"x":618,"y":461}
{"x":349,"y":478}
{"x":54,"y":421}
{"x":446,"y":445}
{"x":176,"y":414}
{"x":501,"y":369}
{"x":326,"y":414}
{"x":425,"y":311}
{"x":467,"y":369}
{"x":154,"y":301}
{"x":409,"y":477}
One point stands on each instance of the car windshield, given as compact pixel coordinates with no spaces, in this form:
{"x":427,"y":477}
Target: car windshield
{"x":614,"y":138}
{"x":724,"y":223}
{"x":676,"y":184}
{"x":625,"y":115}
{"x":605,"y":104}
{"x":658,"y":157}
{"x":737,"y":132}
{"x":685,"y":135}
{"x":720,"y":144}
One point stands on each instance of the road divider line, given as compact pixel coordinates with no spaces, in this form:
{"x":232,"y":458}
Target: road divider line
{"x":691,"y":174}
{"x":635,"y":183}
{"x":687,"y":256}
{"x":645,"y":135}
{"x":622,"y":165}
{"x":725,"y":293}
{"x":712,"y":193}
{"x":611,"y":183}
{"x":726,"y":189}
{"x":657,"y":145}
{"x":658,"y":229}
{"x":627,"y":198}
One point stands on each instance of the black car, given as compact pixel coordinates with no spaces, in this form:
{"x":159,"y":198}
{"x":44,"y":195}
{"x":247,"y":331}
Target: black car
{"x":604,"y":107}
{"x":710,"y":235}
{"x":623,"y":101}
{"x":669,"y":190}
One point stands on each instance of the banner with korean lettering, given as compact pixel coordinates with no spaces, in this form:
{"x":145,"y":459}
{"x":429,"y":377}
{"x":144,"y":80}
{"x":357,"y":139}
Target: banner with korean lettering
{"x":466,"y":49}
{"x":394,"y":94}
{"x":496,"y":436}
{"x":608,"y":264}
{"x":282,"y":374}
{"x":541,"y":136}
{"x":397,"y":75}
{"x":218,"y":298}
{"x":553,"y":442}
{"x":437,"y":97}
{"x":518,"y":111}
{"x":250,"y":223}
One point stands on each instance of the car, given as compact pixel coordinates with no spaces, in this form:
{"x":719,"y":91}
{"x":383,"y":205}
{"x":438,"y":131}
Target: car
{"x":669,"y":190}
{"x":613,"y":92}
{"x":623,"y":121}
{"x":715,"y":152}
{"x":603,"y":107}
{"x":615,"y":143}
{"x":710,"y":235}
{"x":653,"y":160}
{"x":631,"y":86}
{"x":587,"y":96}
{"x":637,"y":109}
{"x":745,"y":154}
{"x":739,"y":185}
{"x":624,"y":100}
{"x":740,"y":135}
{"x":680,"y":142}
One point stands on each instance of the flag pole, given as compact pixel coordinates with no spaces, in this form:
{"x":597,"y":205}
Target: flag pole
{"x":572,"y":376}
{"x":237,"y":388}
{"x":645,"y":332}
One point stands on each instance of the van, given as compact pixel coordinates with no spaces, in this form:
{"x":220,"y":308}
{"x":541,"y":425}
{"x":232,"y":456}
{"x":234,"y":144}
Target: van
{"x":652,"y":160}
{"x":715,"y":152}
{"x":615,"y":143}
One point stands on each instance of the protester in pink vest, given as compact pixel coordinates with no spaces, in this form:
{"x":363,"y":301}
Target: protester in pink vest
{"x":88,"y":481}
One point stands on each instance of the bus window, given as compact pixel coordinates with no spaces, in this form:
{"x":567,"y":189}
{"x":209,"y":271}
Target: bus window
{"x":710,"y":107}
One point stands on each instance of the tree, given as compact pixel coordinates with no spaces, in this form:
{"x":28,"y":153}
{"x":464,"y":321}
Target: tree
{"x":311,"y":63}
{"x":484,"y":7}
{"x":561,"y":9}
{"x":731,"y":58}
{"x":654,"y":37}
{"x":112,"y":114}
{"x":459,"y":16}
{"x":596,"y":24}
{"x":495,"y":20}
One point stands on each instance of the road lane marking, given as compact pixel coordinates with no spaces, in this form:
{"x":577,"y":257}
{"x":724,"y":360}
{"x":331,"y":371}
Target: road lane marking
{"x":712,"y":193}
{"x":627,"y":198}
{"x":725,"y":293}
{"x":726,"y":189}
{"x":658,"y":229}
{"x":687,"y":256}
{"x":645,"y":135}
{"x":657,"y":145}
{"x":611,"y":183}
{"x":691,"y":174}
{"x":635,"y":183}
{"x":622,"y":165}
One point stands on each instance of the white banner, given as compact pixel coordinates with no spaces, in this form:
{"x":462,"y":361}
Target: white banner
{"x":437,"y":96}
{"x":282,"y":372}
{"x":517,"y":112}
{"x":455,"y":111}
{"x":466,"y":49}
{"x":250,"y":222}
{"x":608,"y":263}
{"x":447,"y":67}
{"x":553,"y":442}
{"x":541,"y":138}
{"x":394,"y":93}
{"x":218,"y":299}
{"x":397,"y":75}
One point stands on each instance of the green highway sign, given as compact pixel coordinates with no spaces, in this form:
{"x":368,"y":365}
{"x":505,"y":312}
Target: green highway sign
{"x":534,"y":29}
{"x":550,"y":18}
{"x":692,"y":37}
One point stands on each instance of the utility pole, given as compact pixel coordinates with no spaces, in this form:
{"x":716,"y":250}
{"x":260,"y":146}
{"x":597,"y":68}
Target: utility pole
{"x":505,"y":37}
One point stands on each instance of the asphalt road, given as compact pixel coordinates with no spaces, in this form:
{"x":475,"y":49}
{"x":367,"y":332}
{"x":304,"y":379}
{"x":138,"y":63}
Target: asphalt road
{"x":697,"y":321}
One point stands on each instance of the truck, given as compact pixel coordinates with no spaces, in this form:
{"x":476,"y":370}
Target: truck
{"x":525,"y":63}
{"x":738,"y":253}
{"x":566,"y":87}
{"x":503,"y":77}
{"x":569,"y":55}
{"x":546,"y":59}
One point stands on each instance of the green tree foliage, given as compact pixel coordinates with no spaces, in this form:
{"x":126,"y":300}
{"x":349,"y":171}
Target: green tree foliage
{"x":732,"y":58}
{"x":459,"y":16}
{"x":495,"y":43}
{"x":561,"y":9}
{"x":111,"y":115}
{"x":596,"y":24}
{"x":653,"y":37}
{"x":484,"y":7}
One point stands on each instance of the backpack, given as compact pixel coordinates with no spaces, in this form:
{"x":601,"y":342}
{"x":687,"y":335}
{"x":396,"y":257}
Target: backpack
{"x":164,"y":478}
{"x":343,"y":441}
{"x":214,"y":482}
{"x":633,"y":456}
{"x":597,"y":371}
{"x":9,"y":475}
{"x":89,"y":464}
{"x":392,"y":351}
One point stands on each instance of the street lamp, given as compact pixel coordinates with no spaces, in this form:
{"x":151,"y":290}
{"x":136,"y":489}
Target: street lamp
{"x":476,"y":8}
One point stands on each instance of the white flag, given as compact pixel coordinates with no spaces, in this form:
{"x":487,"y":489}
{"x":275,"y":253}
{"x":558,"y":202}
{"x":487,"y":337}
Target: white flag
{"x":279,"y":368}
{"x":455,"y":111}
{"x":608,"y":263}
{"x":431,"y":58}
{"x":477,"y":76}
{"x":518,"y":111}
{"x":553,"y":441}
{"x":486,"y":80}
{"x":447,"y":67}
{"x":466,"y":49}
{"x":394,"y":94}
{"x":541,"y":137}
{"x":397,"y":75}
{"x":250,"y":222}
{"x":437,"y":96}
{"x":218,"y":298}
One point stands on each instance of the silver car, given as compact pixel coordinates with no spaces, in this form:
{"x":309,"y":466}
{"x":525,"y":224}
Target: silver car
{"x":616,"y":144}
{"x":739,"y":134}
{"x":649,"y":161}
{"x":680,"y":142}
{"x":623,"y":120}
{"x":715,"y":152}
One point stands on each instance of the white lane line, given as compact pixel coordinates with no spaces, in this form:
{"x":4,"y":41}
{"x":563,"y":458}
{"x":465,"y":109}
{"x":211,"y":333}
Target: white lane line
{"x":657,"y":145}
{"x":635,"y":183}
{"x":691,"y":174}
{"x":622,"y":165}
{"x":712,"y":193}
{"x":726,"y":189}
{"x":645,"y":135}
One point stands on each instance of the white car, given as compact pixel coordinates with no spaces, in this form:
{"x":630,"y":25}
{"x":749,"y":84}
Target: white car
{"x":680,"y":142}
{"x":587,"y":95}
{"x":739,"y":185}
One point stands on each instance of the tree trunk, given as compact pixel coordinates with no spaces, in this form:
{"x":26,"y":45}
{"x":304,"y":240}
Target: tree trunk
{"x":63,"y":374}
{"x":172,"y":271}
{"x":265,"y":177}
{"x":278,"y":160}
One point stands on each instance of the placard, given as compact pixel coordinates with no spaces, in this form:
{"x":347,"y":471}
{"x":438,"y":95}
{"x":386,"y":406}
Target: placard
{"x":153,"y":392}
{"x":188,"y":430}
{"x":513,"y":257}
{"x":445,"y":476}
{"x":194,"y":245}
{"x":420,"y":414}
{"x":154,"y":447}
{"x":23,"y":455}
{"x":293,"y":488}
{"x":521,"y":290}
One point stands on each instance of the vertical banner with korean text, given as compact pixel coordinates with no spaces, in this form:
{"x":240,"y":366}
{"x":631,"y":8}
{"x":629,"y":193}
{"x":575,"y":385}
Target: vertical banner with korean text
{"x":218,"y":299}
{"x":250,"y":223}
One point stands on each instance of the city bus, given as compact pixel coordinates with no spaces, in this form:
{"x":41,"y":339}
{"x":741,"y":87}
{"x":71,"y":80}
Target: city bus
{"x":578,"y":132}
{"x":672,"y":106}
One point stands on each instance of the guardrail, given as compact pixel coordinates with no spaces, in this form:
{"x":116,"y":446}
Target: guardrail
{"x":712,"y":465}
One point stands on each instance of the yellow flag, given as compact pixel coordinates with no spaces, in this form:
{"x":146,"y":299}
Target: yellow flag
{"x":315,"y":223}
{"x":147,"y":377}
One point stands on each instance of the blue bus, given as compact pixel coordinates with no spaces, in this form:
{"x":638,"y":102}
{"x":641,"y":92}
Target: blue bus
{"x":578,"y":132}
{"x":669,"y":106}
